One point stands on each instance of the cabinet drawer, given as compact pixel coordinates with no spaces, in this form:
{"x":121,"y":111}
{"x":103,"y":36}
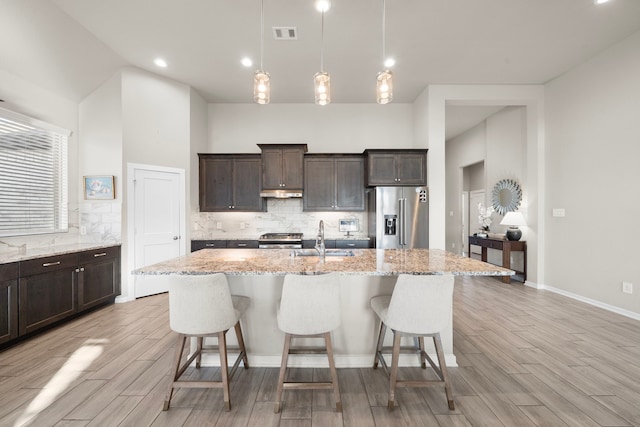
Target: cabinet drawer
{"x":44,"y":265}
{"x":97,"y":254}
{"x":196,"y":245}
{"x":243,"y":244}
{"x":356,"y":244}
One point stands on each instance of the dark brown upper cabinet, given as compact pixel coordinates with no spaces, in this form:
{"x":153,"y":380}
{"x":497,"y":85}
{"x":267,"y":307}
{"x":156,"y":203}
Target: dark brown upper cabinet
{"x":282,"y":166}
{"x":396,"y":167}
{"x":230,"y":182}
{"x":333,"y":183}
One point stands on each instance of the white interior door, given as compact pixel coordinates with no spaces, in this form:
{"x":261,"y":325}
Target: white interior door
{"x":475,"y":197}
{"x":157,"y":224}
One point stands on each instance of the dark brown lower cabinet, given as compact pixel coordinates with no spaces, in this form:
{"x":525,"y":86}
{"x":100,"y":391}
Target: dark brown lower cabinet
{"x":8,"y":302}
{"x":40,"y":292}
{"x":47,"y":291}
{"x":98,"y":277}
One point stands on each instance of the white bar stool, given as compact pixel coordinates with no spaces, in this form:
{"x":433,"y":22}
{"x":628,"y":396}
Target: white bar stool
{"x":420,"y":306}
{"x":202,"y":306}
{"x":309,"y":307}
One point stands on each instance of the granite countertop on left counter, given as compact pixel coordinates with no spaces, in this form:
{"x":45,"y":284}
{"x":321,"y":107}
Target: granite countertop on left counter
{"x":52,"y":250}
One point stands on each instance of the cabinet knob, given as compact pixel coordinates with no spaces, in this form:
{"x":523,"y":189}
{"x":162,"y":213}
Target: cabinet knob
{"x":176,"y":237}
{"x":81,"y":268}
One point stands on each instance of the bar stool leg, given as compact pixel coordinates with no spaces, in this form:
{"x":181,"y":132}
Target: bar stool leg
{"x":224,"y":369}
{"x":332,"y":369}
{"x":200,"y":343}
{"x":174,"y":374}
{"x":381,"y":334}
{"x":238,"y":330}
{"x":443,"y":368}
{"x":393,"y":378}
{"x":283,"y":371}
{"x":423,"y":357}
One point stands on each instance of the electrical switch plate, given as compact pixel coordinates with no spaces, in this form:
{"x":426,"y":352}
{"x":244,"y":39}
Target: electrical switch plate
{"x":627,"y":287}
{"x":558,"y":212}
{"x":242,"y":226}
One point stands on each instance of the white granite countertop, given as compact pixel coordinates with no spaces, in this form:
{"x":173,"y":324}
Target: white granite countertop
{"x":52,"y":250}
{"x":378,"y":262}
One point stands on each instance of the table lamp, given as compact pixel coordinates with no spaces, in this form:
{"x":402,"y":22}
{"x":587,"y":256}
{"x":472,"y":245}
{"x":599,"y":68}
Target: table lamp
{"x":513,"y":220}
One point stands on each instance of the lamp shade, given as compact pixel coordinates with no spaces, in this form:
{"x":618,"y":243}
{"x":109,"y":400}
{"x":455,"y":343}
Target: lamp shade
{"x":513,"y":219}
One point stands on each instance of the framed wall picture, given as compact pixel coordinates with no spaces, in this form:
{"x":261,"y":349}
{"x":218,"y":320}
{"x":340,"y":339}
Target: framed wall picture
{"x":99,"y":187}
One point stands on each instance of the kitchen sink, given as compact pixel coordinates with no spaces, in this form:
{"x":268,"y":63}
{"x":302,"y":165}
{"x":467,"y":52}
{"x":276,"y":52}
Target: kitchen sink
{"x":328,"y":252}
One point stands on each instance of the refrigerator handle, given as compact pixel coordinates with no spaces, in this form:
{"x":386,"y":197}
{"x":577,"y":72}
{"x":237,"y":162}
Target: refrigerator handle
{"x":402,"y":204}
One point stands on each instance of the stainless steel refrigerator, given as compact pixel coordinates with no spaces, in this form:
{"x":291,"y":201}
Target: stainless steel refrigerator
{"x":398,"y":217}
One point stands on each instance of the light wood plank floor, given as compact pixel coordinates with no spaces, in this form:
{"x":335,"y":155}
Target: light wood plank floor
{"x":526,"y":358}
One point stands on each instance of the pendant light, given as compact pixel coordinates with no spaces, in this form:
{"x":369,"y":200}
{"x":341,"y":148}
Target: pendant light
{"x":261,"y":79}
{"x":322,"y":80}
{"x":384,"y":79}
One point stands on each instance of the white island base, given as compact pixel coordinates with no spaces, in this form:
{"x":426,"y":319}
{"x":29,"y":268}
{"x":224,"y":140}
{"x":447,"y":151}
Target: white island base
{"x":354,"y":342}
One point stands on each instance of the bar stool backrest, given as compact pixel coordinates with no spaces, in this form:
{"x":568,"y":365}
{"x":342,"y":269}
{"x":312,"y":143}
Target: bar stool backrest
{"x":310,"y":304}
{"x":200,"y":305}
{"x":421,"y":304}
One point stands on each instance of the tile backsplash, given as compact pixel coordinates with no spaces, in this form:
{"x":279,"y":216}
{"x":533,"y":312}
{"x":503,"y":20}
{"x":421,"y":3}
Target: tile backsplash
{"x":283,"y":215}
{"x":90,"y":222}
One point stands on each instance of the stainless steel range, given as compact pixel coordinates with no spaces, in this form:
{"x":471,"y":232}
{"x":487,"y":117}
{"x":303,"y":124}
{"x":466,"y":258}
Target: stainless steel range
{"x":280,"y":241}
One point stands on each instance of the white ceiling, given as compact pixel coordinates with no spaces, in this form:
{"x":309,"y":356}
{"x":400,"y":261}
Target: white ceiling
{"x":71,"y":46}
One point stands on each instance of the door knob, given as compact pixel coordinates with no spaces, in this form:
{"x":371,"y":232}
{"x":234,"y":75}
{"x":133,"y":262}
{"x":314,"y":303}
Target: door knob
{"x":176,"y":237}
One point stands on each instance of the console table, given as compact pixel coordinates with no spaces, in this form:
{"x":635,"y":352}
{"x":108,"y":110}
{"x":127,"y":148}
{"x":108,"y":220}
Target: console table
{"x":506,"y":246}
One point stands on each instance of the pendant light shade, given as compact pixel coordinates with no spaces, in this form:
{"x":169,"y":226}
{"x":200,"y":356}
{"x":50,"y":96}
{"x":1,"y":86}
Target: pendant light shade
{"x":261,"y":87}
{"x":384,"y":79}
{"x":322,"y":85}
{"x":384,"y":87}
{"x":261,"y":79}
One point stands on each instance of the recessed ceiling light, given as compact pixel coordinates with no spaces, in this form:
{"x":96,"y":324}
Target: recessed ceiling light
{"x":390,"y":62}
{"x":160,"y":62}
{"x":247,"y":62}
{"x":600,"y":1}
{"x":323,"y":5}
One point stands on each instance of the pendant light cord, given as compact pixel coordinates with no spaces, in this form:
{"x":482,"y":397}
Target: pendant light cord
{"x":384,"y":29}
{"x":261,"y":33}
{"x":322,"y":44}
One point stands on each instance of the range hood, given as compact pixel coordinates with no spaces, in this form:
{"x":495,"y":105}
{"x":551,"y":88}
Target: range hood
{"x":281,"y":194}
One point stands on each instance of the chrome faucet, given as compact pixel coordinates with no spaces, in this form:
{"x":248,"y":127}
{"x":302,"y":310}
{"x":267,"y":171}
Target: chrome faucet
{"x":320,"y":241}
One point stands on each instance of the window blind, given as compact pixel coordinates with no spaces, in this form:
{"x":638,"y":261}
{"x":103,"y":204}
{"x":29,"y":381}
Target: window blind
{"x":33,"y":176}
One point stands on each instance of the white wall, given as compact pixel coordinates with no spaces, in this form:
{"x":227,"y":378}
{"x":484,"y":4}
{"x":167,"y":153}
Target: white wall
{"x":100,"y":153}
{"x":593,"y":146}
{"x":336,"y":128}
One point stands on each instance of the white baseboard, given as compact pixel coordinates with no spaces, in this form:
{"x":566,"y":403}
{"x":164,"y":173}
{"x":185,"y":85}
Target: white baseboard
{"x":306,"y":361}
{"x":595,"y":303}
{"x":123,"y":298}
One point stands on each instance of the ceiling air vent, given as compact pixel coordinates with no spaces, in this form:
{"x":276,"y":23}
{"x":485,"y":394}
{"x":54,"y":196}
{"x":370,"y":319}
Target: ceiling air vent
{"x":285,"y":33}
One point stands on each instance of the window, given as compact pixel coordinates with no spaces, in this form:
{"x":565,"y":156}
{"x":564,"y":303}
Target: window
{"x":33,"y":176}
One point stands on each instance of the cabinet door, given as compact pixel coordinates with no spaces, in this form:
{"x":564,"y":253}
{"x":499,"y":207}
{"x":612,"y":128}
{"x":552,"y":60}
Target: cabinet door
{"x":349,"y":184}
{"x":47,"y":291}
{"x":98,"y":277}
{"x":411,"y":169}
{"x":216,"y":184}
{"x":382,"y":169}
{"x":292,"y":167}
{"x":319,"y":185}
{"x":271,"y":169}
{"x":246,"y":185}
{"x":8,"y":302}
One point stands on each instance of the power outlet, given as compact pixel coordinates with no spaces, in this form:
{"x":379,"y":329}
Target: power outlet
{"x":627,"y":287}
{"x":218,"y":225}
{"x":243,"y":226}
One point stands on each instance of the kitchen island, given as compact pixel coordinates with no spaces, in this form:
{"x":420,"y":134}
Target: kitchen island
{"x":258,"y":274}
